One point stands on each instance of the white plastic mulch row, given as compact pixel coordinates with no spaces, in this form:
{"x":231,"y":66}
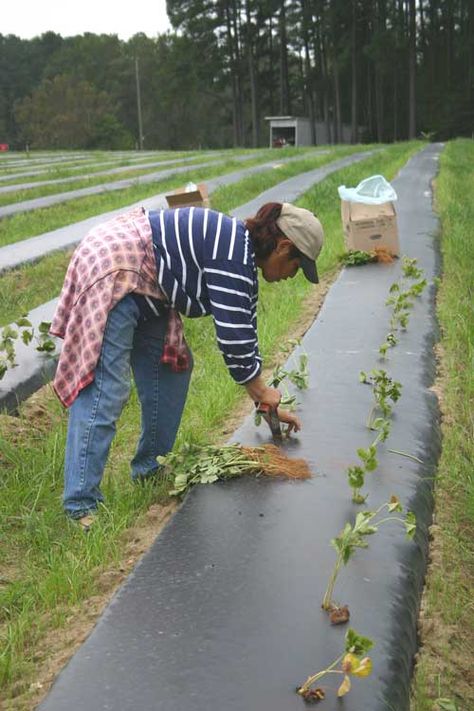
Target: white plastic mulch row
{"x":89,"y":164}
{"x":29,"y":250}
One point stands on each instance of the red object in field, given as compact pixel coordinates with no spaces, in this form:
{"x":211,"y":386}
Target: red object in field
{"x":4,"y":146}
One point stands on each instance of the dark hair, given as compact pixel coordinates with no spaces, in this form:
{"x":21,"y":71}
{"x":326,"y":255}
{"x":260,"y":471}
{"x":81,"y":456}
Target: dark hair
{"x":264,"y":231}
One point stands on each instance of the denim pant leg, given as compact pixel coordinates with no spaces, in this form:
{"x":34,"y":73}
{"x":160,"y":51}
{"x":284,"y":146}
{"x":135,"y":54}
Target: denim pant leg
{"x":94,"y":413}
{"x":162,"y":395}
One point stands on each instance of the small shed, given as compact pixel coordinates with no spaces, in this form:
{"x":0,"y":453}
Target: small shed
{"x":296,"y":131}
{"x":289,"y":131}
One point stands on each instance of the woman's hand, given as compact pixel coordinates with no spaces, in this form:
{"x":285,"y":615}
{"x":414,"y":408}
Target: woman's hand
{"x":259,"y":392}
{"x":289,"y":418}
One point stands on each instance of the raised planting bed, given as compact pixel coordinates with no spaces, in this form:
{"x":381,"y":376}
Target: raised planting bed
{"x":224,"y":611}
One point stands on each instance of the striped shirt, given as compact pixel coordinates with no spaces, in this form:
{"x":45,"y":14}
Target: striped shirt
{"x":205,"y":265}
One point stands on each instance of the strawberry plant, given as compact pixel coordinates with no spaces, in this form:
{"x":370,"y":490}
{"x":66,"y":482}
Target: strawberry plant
{"x":354,"y":536}
{"x":409,"y":268}
{"x":355,"y":257}
{"x":353,"y":662}
{"x":194,"y":464}
{"x":390,"y":341}
{"x":298,"y":376}
{"x":10,"y":335}
{"x":369,"y":463}
{"x":384,"y":389}
{"x":402,"y":300}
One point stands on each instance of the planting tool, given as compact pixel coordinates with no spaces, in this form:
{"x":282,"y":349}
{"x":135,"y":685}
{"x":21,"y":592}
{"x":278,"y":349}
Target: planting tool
{"x":270,"y":416}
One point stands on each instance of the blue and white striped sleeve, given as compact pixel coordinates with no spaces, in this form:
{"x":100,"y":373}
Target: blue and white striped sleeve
{"x":233,"y":300}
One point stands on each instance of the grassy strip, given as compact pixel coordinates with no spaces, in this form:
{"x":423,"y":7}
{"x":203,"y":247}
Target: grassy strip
{"x":447,"y":628}
{"x":28,"y":224}
{"x":31,"y":285}
{"x":47,"y":564}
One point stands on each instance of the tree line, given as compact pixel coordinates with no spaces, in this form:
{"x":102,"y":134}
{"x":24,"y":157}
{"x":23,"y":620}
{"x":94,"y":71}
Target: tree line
{"x":391,"y":69}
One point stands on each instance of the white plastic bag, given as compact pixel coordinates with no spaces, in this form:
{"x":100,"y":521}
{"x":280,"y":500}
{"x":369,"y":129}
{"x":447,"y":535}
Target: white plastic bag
{"x":371,"y":191}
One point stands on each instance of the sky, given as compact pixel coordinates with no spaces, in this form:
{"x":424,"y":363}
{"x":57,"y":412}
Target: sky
{"x":30,"y":18}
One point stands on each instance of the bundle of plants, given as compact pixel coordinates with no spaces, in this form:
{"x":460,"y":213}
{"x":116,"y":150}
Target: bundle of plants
{"x":203,"y":464}
{"x":356,"y":257}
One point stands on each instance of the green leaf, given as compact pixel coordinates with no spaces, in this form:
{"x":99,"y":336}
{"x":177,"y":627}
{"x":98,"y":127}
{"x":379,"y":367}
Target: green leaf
{"x":47,"y":346}
{"x":24,"y":323}
{"x":410,"y":524}
{"x":356,"y":643}
{"x":44,"y":326}
{"x":394,"y":504}
{"x":447,"y":705}
{"x":9,"y":333}
{"x":3,"y":367}
{"x":355,"y":476}
{"x":27,"y":337}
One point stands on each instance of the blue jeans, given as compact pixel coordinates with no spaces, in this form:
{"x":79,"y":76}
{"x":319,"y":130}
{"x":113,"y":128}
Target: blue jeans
{"x":129,"y":340}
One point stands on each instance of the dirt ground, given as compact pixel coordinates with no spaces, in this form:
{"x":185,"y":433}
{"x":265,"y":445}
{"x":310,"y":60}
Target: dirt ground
{"x":58,"y":646}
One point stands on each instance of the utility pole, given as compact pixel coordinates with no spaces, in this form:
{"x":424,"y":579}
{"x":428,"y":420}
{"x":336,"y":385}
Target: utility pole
{"x":139,"y":106}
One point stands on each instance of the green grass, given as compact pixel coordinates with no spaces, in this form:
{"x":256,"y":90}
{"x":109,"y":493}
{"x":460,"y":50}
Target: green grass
{"x":445,"y":664}
{"x":24,"y":225}
{"x":47,"y":565}
{"x":29,"y":286}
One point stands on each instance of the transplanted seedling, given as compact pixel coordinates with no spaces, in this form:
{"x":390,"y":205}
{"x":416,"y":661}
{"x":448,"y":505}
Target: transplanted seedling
{"x":299,"y":376}
{"x":369,"y":463}
{"x":402,"y":300}
{"x":410,"y":269}
{"x":385,"y":389}
{"x":352,"y":662}
{"x":355,"y":536}
{"x":25,"y":331}
{"x":356,"y":474}
{"x":390,"y":341}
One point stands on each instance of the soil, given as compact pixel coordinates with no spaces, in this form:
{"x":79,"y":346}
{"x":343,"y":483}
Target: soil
{"x":339,"y":615}
{"x":312,"y":696}
{"x":57,"y":646}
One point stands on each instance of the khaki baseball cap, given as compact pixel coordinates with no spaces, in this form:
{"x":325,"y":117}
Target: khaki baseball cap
{"x":307,"y":234}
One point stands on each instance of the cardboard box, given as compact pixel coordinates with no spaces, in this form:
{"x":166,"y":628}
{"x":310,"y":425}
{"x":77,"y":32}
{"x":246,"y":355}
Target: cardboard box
{"x":370,"y":226}
{"x":189,"y":198}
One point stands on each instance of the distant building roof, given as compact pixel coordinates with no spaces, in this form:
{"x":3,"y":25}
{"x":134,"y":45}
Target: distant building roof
{"x":287,"y":118}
